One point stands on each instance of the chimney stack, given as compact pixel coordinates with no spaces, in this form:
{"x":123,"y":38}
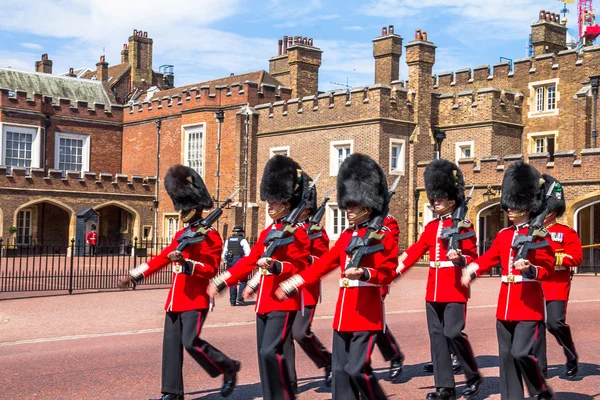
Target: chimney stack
{"x":387,"y":50}
{"x":548,"y":35}
{"x":102,"y":70}
{"x":44,"y":65}
{"x":125,"y":54}
{"x":71,"y":73}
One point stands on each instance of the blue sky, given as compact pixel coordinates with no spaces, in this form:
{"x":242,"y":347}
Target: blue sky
{"x":207,"y":39}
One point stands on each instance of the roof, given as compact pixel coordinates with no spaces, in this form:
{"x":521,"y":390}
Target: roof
{"x":74,"y":89}
{"x":259,"y":77}
{"x":115,"y":72}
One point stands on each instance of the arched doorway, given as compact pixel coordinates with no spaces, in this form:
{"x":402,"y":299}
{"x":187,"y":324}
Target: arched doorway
{"x":490,"y":220}
{"x":118,"y":225}
{"x":43,"y":222}
{"x":586,"y":221}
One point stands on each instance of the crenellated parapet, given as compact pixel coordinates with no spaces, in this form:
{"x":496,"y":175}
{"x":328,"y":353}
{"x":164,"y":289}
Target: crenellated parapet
{"x":74,"y":181}
{"x":339,"y":106}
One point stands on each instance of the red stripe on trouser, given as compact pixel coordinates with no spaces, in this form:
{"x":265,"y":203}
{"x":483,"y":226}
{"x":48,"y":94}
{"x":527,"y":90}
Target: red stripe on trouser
{"x":311,"y":335}
{"x":367,"y":361}
{"x":280,"y":364}
{"x":537,"y":364}
{"x":469,"y":343}
{"x":396,"y":348}
{"x":198,"y":329}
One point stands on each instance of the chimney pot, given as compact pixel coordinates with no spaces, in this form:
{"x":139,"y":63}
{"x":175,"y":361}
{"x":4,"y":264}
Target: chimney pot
{"x":231,"y":74}
{"x":310,"y":41}
{"x":383,"y":31}
{"x":285,"y":44}
{"x":391,"y":29}
{"x":418,"y":34}
{"x":290,"y":41}
{"x":424,"y":35}
{"x":101,"y":58}
{"x":145,"y":34}
{"x":44,"y":56}
{"x":547,"y":15}
{"x":135,"y":32}
{"x":279,"y":44}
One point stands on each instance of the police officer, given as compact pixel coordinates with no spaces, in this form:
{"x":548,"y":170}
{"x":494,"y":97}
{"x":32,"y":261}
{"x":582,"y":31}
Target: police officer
{"x":235,"y":248}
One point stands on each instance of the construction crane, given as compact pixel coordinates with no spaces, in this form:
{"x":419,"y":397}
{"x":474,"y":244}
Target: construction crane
{"x":587,"y":28}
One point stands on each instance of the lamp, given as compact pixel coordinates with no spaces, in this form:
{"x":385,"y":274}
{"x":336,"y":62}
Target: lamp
{"x":439,"y":137}
{"x":594,"y":83}
{"x":491,"y":192}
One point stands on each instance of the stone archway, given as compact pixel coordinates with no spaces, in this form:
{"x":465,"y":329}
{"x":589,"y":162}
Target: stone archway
{"x":489,"y":220}
{"x":44,"y":221}
{"x":584,"y":216}
{"x":118,"y":222}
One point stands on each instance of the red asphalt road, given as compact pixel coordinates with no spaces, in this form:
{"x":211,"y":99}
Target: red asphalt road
{"x":108,"y":345}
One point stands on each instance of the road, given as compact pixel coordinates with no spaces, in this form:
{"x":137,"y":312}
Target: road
{"x":107,"y":345}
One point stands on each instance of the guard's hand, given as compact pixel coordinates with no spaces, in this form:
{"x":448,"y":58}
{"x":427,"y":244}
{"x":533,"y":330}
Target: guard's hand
{"x":465,"y":280}
{"x":248,"y":293}
{"x":521,"y":264}
{"x":354,"y":273}
{"x":281,"y":294}
{"x":265,"y":262}
{"x":176,"y":256}
{"x":124,"y":281}
{"x":211,"y":290}
{"x":454,"y":256}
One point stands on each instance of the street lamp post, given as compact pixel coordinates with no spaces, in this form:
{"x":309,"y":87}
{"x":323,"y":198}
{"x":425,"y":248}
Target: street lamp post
{"x":595,"y":82}
{"x":220,"y":116}
{"x":155,"y":202}
{"x":439,"y":137}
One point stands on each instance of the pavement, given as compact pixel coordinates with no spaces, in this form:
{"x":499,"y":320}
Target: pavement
{"x":107,"y":345}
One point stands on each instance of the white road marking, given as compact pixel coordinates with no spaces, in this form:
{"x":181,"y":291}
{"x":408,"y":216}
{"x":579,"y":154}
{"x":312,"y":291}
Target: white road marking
{"x":219,"y":325}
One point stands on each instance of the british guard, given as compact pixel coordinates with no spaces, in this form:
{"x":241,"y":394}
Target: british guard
{"x":359,"y":315}
{"x":187,"y":302}
{"x":446,"y":298}
{"x":568,"y":254}
{"x":526,"y":259}
{"x":281,"y":187}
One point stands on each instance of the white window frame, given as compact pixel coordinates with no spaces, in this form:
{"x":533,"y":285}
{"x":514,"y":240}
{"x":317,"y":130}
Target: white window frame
{"x":428,"y":214}
{"x":531,"y":138}
{"x":19,"y":237}
{"x":333,"y":154}
{"x":36,"y":144}
{"x":85,"y":152}
{"x":166,"y":218}
{"x":193,"y":128}
{"x":278,"y":150}
{"x":539,"y":107}
{"x":460,"y":145}
{"x":400,"y":168}
{"x":331,"y":207}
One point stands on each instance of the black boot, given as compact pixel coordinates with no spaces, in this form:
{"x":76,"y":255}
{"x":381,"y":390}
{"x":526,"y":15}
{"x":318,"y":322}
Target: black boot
{"x":230,"y":379}
{"x":572,"y":370}
{"x":546,"y":395}
{"x":171,"y":396}
{"x":442,"y":394}
{"x":472,"y":387}
{"x":428,"y":368}
{"x":328,"y":375}
{"x":396,"y":367}
{"x":456,"y":367}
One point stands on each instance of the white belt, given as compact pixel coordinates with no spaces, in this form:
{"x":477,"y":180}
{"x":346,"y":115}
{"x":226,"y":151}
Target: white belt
{"x":516,"y":279}
{"x":345,"y":282}
{"x":560,"y":268}
{"x":264,"y":271}
{"x":441,"y":264}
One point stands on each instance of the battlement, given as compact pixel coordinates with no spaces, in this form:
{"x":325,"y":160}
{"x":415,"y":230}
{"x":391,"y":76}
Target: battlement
{"x":524,"y":69}
{"x":22,"y":100}
{"x":75,"y":181}
{"x":478,"y":105}
{"x":207,"y":96}
{"x":338,"y":106}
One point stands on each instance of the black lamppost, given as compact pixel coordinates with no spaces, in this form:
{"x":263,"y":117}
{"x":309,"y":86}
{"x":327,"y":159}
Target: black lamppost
{"x":491,"y":192}
{"x":439,"y":137}
{"x":220,"y":116}
{"x":595,"y":82}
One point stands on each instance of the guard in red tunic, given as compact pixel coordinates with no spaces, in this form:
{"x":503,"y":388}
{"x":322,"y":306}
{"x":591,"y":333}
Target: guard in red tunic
{"x":187,"y":303}
{"x":525,"y":262}
{"x":446,"y":299}
{"x":568,"y":254}
{"x":91,"y":239}
{"x":359,"y":315}
{"x":281,"y":187}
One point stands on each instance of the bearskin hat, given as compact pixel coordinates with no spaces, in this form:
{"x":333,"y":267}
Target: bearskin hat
{"x":522,"y":189}
{"x":444,"y":180}
{"x":186,"y":188}
{"x":311,"y":203}
{"x":282,"y":181}
{"x":556,"y":202}
{"x":361,"y":181}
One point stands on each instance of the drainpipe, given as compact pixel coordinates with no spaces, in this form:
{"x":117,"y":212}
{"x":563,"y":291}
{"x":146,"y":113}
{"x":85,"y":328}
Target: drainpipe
{"x":157,"y":185}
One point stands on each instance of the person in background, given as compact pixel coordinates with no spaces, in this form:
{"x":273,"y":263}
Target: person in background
{"x":235,"y":248}
{"x":91,"y":239}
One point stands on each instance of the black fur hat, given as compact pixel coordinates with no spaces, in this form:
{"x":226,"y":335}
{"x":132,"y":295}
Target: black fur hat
{"x":361,"y":181}
{"x":556,"y":202}
{"x":186,"y":189}
{"x":282,"y":181}
{"x":311,"y":204}
{"x":444,"y":180}
{"x":522,"y":189}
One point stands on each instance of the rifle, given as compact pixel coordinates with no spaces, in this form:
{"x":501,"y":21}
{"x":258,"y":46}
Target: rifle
{"x":196,"y":231}
{"x":285,"y":235}
{"x":452,"y":234}
{"x":360,"y":247}
{"x":526,"y":243}
{"x":313,"y":224}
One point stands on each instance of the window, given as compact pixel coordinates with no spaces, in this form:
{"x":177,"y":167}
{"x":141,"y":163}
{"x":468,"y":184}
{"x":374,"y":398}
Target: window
{"x":19,"y":146}
{"x":194,"y":148}
{"x":338,"y":153}
{"x":337,"y":221}
{"x":544,"y":97}
{"x":396,"y":156}
{"x":147,"y":232}
{"x":72,"y":152}
{"x":464,"y":150}
{"x":551,"y":97}
{"x":539,"y":99}
{"x":279,"y":151}
{"x":171,"y":226}
{"x":543,"y":142}
{"x":540,"y":145}
{"x":24,"y":227}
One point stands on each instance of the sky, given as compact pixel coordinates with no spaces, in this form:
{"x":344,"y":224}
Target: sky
{"x":209,"y":39}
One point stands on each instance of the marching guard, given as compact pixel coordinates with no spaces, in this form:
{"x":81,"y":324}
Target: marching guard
{"x":526,"y":259}
{"x":281,"y":187}
{"x":446,"y":298}
{"x":568,"y":254}
{"x":368,"y":255}
{"x":187,"y":303}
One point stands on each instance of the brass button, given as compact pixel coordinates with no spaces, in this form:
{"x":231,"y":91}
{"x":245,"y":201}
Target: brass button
{"x":511,"y":279}
{"x":345,"y":282}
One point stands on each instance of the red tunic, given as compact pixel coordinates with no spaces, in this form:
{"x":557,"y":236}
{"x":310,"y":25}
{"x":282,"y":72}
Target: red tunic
{"x":91,"y":238}
{"x":293,"y":258}
{"x":443,"y":282}
{"x":188,"y":292}
{"x":568,"y":253}
{"x":359,"y":308}
{"x":318,"y":247}
{"x":392,"y":225}
{"x":518,"y":301}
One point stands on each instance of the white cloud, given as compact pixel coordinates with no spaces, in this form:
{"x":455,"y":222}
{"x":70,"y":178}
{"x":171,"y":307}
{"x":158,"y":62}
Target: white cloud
{"x":33,"y":46}
{"x":18,"y":60}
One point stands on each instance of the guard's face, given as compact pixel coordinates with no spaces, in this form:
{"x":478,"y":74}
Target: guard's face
{"x":515,"y":215}
{"x":357,"y":214}
{"x":191,"y":216}
{"x":443,"y":206}
{"x":277,"y":209}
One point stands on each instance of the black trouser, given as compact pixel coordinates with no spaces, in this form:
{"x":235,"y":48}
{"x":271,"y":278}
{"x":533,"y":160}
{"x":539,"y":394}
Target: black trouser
{"x":516,"y":340}
{"x":446,"y":322}
{"x":92,"y":249}
{"x":272,"y":330}
{"x":352,"y":372}
{"x":556,"y":322}
{"x":302,"y":333}
{"x":234,"y":294}
{"x":182,"y":330}
{"x":389,"y":348}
